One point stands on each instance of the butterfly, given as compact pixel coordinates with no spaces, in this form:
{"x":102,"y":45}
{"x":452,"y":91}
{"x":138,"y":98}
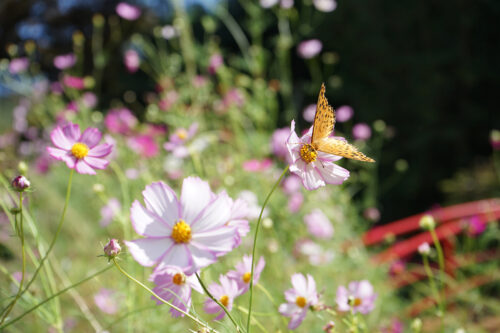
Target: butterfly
{"x":324,"y":122}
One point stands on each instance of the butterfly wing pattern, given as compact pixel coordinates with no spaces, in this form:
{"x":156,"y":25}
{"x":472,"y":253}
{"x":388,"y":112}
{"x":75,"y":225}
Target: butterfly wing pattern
{"x":324,"y":122}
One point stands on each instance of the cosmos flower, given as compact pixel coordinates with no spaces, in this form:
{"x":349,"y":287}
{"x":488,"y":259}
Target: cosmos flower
{"x":255,"y":165}
{"x":318,"y":224}
{"x":173,"y":285}
{"x":189,"y":232}
{"x":309,"y":112}
{"x":120,"y":121}
{"x":127,"y":11}
{"x":144,"y":145}
{"x":131,"y":60}
{"x":300,"y":298}
{"x":239,"y":218}
{"x":74,"y":82}
{"x":475,"y":226}
{"x":309,"y":48}
{"x":177,"y":141}
{"x":362,"y":295}
{"x":79,"y":151}
{"x":107,"y":301}
{"x":424,"y":249}
{"x":225,"y":292}
{"x":343,"y":113}
{"x":64,"y":61}
{"x":242,"y":274}
{"x":18,"y":65}
{"x":318,"y":172}
{"x":361,"y":131}
{"x":214,"y":63}
{"x":295,"y":201}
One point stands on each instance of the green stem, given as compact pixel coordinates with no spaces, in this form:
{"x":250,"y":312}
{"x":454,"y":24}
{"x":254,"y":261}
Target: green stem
{"x":255,"y":245}
{"x":205,"y":289}
{"x":430,"y":275}
{"x":199,"y":322}
{"x":54,"y":296}
{"x":439,"y":250}
{"x":58,"y":231}
{"x":23,"y":254}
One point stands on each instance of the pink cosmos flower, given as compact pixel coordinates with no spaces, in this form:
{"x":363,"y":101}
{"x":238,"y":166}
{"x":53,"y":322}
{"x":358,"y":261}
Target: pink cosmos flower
{"x":318,"y":224}
{"x":107,"y":301}
{"x":252,"y":202}
{"x":169,"y":32}
{"x":362,"y":294}
{"x":278,"y":142}
{"x":292,"y":184}
{"x":295,"y":201}
{"x":189,"y":232}
{"x":64,"y":61}
{"x":79,"y":151}
{"x":361,"y":131}
{"x":173,"y":285}
{"x":225,"y":292}
{"x":169,"y":100}
{"x":325,"y":5}
{"x":178,"y":139}
{"x":320,"y":170}
{"x":309,"y":48}
{"x":214,"y":63}
{"x":301,"y":297}
{"x":74,"y":82}
{"x":309,"y":113}
{"x":127,"y":11}
{"x":18,"y":65}
{"x":424,"y":249}
{"x":255,"y":165}
{"x":89,"y":100}
{"x":144,"y":145}
{"x":120,"y":121}
{"x":397,"y":267}
{"x":343,"y":113}
{"x":475,"y":226}
{"x":131,"y":60}
{"x":109,"y":212}
{"x":242,"y":274}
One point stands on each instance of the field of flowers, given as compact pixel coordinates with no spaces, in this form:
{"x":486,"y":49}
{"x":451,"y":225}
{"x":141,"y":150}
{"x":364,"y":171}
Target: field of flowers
{"x":184,"y":204}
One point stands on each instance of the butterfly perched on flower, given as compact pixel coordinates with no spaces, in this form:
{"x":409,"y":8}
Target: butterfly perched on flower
{"x":324,"y":122}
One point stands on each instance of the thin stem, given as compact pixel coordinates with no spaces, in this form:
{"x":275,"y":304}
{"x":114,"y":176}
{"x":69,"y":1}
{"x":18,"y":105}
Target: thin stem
{"x":439,"y":250}
{"x":430,"y":275}
{"x":205,"y":289}
{"x":23,"y":254}
{"x":58,"y":231}
{"x":54,"y":296}
{"x":255,"y":245}
{"x":199,"y":322}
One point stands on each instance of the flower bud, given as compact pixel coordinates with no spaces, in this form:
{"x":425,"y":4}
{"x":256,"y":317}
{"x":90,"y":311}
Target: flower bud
{"x":112,"y":249}
{"x":20,"y":183}
{"x":329,"y":327}
{"x":427,"y":222}
{"x":424,"y":249}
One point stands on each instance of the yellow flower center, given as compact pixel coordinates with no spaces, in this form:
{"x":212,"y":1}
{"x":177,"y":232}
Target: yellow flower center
{"x":181,"y":233}
{"x":246,"y":277}
{"x":79,"y":150}
{"x":357,"y":302}
{"x":308,"y":154}
{"x":224,"y":300}
{"x":179,"y":279}
{"x":182,"y":133}
{"x":300,"y":301}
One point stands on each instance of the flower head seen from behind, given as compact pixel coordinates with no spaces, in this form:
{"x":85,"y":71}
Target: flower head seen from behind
{"x":80,"y":151}
{"x":315,"y":169}
{"x":190,"y":232}
{"x":299,"y":299}
{"x":173,"y":285}
{"x":225,"y":293}
{"x":359,"y":295}
{"x":242,"y":274}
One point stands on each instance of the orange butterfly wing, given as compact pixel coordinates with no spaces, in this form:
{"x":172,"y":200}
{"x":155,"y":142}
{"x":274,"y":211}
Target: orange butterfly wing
{"x":341,"y":148}
{"x":324,"y":120}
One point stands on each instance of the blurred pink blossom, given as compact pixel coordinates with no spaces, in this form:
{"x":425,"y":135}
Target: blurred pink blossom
{"x":362,"y":295}
{"x":278,"y":142}
{"x":397,"y":267}
{"x":233,"y":97}
{"x":127,"y":11}
{"x":120,"y":121}
{"x":169,"y":32}
{"x":300,"y":298}
{"x":361,"y":131}
{"x":177,"y":140}
{"x":424,"y":249}
{"x":89,"y":100}
{"x":215,"y":62}
{"x":56,"y":88}
{"x":344,"y":113}
{"x":318,"y":224}
{"x":475,"y":226}
{"x":325,"y":5}
{"x":309,"y":48}
{"x":144,"y":145}
{"x":107,"y":301}
{"x":64,"y":61}
{"x":74,"y":82}
{"x":295,"y":202}
{"x":292,"y":184}
{"x":255,"y":165}
{"x":199,"y":81}
{"x":372,"y":214}
{"x":396,"y":326}
{"x":168,"y":100}
{"x":110,"y":211}
{"x":131,"y":60}
{"x":309,"y":113}
{"x":18,"y":65}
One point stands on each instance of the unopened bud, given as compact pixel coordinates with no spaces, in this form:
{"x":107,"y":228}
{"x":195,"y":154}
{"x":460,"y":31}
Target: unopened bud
{"x":329,"y":327}
{"x":20,"y":183}
{"x":427,"y":222}
{"x":112,"y":249}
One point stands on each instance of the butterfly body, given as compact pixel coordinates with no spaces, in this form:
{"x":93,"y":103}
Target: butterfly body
{"x":324,"y":122}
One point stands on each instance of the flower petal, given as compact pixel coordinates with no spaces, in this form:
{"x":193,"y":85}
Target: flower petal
{"x":91,"y":137}
{"x":299,"y":283}
{"x":82,"y":167}
{"x":200,"y":257}
{"x":72,"y":132}
{"x":60,"y":140}
{"x":147,"y":251}
{"x":217,"y":240}
{"x":331,"y":173}
{"x":62,"y":155}
{"x":100,"y":150}
{"x":161,"y":199}
{"x":95,"y":162}
{"x":147,"y":224}
{"x":216,"y":214}
{"x":195,"y":197}
{"x":310,"y":178}
{"x":177,"y":255}
{"x":297,"y":319}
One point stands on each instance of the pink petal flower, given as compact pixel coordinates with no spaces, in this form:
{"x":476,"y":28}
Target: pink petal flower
{"x":309,"y":48}
{"x":74,"y":82}
{"x":301,"y":297}
{"x":190,"y":232}
{"x":18,"y":65}
{"x":325,"y":5}
{"x":242,"y":273}
{"x":318,"y":224}
{"x":109,"y":212}
{"x":120,"y":121}
{"x":127,"y":11}
{"x":144,"y":145}
{"x":362,"y":294}
{"x":309,"y":113}
{"x":225,"y":292}
{"x":361,"y":131}
{"x":215,"y":62}
{"x":132,"y":60}
{"x":316,"y":173}
{"x":343,"y":113}
{"x":295,"y":202}
{"x":107,"y":301}
{"x":64,"y":61}
{"x":255,"y":165}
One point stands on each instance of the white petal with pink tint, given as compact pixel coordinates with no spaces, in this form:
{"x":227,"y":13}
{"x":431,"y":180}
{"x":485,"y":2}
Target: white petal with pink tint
{"x":213,"y":216}
{"x":160,"y":199}
{"x":177,"y":255}
{"x":216,"y":239}
{"x":195,"y":196}
{"x":147,"y":224}
{"x":91,"y":137}
{"x":147,"y":251}
{"x":60,"y":140}
{"x":84,"y":168}
{"x":100,"y":150}
{"x":95,"y":162}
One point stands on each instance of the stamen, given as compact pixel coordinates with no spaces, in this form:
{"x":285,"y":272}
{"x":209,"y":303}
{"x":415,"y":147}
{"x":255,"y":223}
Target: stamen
{"x":181,"y":233}
{"x":308,"y":154}
{"x":179,"y":279}
{"x":246,"y":277}
{"x":357,"y":302}
{"x":300,"y":301}
{"x":224,"y":300}
{"x":79,"y":150}
{"x":182,"y":133}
